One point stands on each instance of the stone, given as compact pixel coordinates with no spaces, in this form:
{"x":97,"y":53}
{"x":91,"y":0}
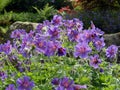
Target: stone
{"x":23,"y":25}
{"x":118,"y":56}
{"x":112,"y":39}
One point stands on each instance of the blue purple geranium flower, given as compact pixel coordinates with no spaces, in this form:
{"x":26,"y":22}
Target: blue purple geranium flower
{"x":95,"y":61}
{"x":22,"y":84}
{"x":82,"y":50}
{"x":66,"y":84}
{"x":111,"y":51}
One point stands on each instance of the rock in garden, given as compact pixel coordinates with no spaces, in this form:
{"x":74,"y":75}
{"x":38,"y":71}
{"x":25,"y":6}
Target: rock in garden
{"x":112,"y":39}
{"x":118,"y":56}
{"x":23,"y":25}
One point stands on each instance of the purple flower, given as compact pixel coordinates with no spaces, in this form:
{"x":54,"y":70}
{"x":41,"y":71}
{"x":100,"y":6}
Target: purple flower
{"x":78,"y":24}
{"x":3,"y":75}
{"x":79,"y":87}
{"x":101,"y":70}
{"x":6,"y":48}
{"x":57,"y":20}
{"x":82,"y":50}
{"x":40,"y":44}
{"x":47,"y":23}
{"x":25,"y":83}
{"x":54,"y":33}
{"x":66,"y":84}
{"x":111,"y":51}
{"x":92,"y":25}
{"x":18,"y":33}
{"x":60,"y":88}
{"x":51,"y":48}
{"x":95,"y":61}
{"x":25,"y":49}
{"x":28,"y":37}
{"x":11,"y":87}
{"x":96,"y":30}
{"x":99,"y":43}
{"x":39,"y":28}
{"x":56,"y":81}
{"x":61,"y":51}
{"x":27,"y":44}
{"x":89,"y":35}
{"x":73,"y":24}
{"x":73,"y":35}
{"x":69,"y":24}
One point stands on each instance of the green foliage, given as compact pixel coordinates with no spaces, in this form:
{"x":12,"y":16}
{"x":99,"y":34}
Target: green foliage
{"x":15,"y":5}
{"x":26,"y":16}
{"x":46,"y":13}
{"x":5,"y":18}
{"x":4,"y":3}
{"x":9,"y":17}
{"x":5,"y":21}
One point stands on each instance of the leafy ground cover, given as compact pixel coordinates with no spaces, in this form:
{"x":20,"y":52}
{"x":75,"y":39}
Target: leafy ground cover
{"x":59,"y":55}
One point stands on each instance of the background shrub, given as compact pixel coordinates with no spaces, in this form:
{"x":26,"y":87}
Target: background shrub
{"x":100,"y":4}
{"x":27,"y":5}
{"x":108,"y":20}
{"x":4,"y":3}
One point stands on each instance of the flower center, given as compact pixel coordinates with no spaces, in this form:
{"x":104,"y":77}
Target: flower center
{"x":61,"y":50}
{"x":66,"y":84}
{"x":82,"y":49}
{"x":25,"y":84}
{"x":95,"y":61}
{"x":54,"y":47}
{"x":40,"y":44}
{"x":55,"y":33}
{"x":57,"y":21}
{"x":99,"y":43}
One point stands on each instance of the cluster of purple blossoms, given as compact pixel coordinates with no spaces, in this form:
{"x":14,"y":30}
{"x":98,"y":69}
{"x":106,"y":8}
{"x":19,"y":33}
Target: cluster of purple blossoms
{"x":25,"y":43}
{"x":66,"y":84}
{"x":47,"y":33}
{"x":46,"y":38}
{"x":111,"y":51}
{"x":18,"y":33}
{"x":22,"y":84}
{"x":92,"y":35}
{"x":74,"y":24}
